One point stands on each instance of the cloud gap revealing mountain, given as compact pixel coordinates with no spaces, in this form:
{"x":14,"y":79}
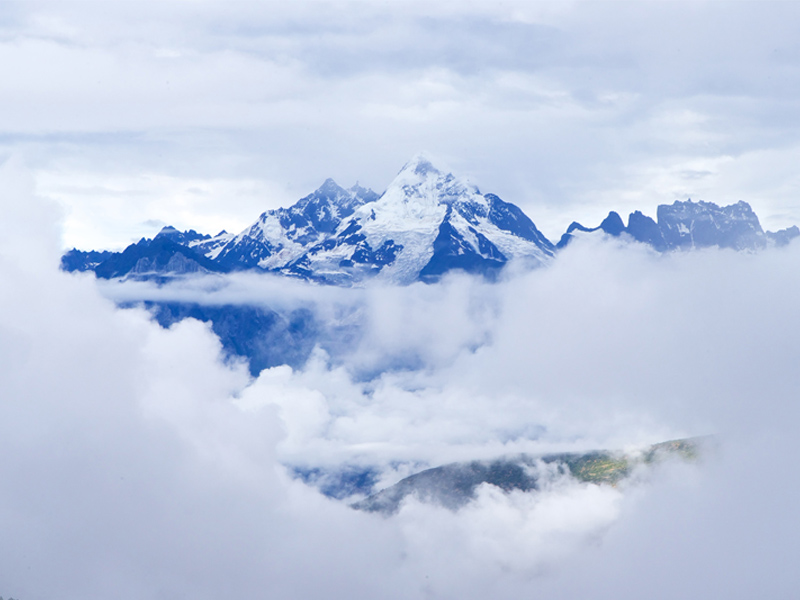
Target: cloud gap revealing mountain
{"x":426,"y":224}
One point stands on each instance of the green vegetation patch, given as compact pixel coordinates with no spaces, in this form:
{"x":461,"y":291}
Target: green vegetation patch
{"x":599,"y":467}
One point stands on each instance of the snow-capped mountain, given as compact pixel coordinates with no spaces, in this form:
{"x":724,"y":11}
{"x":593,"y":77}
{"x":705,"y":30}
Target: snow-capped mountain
{"x":689,"y":225}
{"x":425,"y":224}
{"x":280,"y":237}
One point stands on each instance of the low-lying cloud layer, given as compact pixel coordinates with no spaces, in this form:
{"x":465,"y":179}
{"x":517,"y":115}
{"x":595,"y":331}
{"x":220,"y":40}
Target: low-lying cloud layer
{"x":136,"y":463}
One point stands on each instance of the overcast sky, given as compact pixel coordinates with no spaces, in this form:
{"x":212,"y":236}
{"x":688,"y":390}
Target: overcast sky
{"x":203,"y":114}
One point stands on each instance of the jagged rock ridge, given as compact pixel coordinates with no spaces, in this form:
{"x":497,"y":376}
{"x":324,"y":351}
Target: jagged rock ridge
{"x":689,"y":225}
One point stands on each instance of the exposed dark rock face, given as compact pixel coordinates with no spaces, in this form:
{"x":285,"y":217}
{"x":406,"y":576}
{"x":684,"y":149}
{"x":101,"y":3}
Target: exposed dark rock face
{"x":690,"y":225}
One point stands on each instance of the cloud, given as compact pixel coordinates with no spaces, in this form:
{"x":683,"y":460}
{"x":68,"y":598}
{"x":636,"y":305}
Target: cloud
{"x":662,"y":346}
{"x":128,"y":470}
{"x":567,"y":109}
{"x":613,"y":345}
{"x":136,"y":463}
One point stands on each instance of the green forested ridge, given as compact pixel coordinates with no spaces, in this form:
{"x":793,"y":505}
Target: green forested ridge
{"x":454,"y":485}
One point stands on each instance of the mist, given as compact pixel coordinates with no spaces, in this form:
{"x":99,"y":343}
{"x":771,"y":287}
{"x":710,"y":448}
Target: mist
{"x":140,"y":462}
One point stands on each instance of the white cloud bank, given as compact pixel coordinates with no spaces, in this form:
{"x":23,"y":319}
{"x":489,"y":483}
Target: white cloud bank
{"x":135,"y":464}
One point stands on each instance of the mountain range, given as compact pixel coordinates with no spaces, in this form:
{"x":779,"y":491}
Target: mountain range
{"x":689,"y":225}
{"x":425,"y":224}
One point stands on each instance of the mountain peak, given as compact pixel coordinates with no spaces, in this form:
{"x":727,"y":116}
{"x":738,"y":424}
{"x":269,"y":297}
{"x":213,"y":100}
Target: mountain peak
{"x":168,"y":230}
{"x":329,"y":186}
{"x":420,"y":165}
